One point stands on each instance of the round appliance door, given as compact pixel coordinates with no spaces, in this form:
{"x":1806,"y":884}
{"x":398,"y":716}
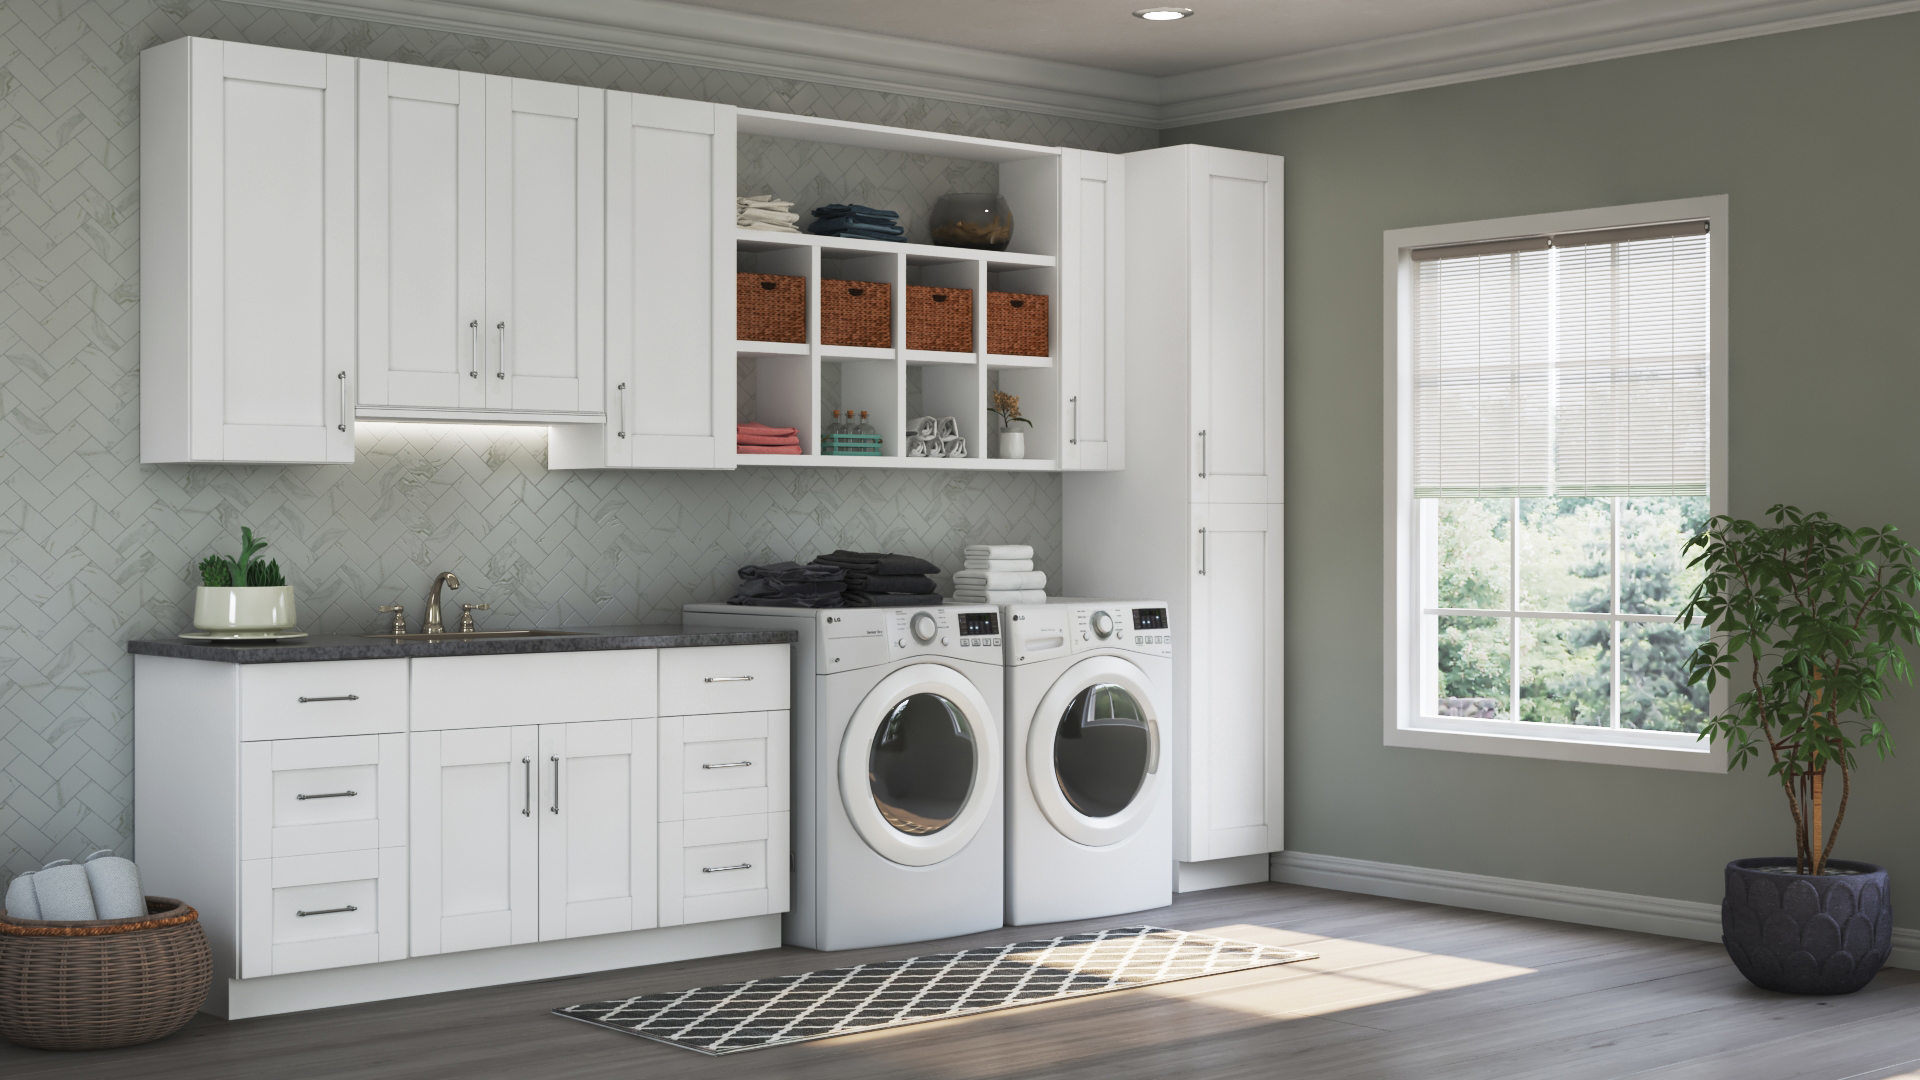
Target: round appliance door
{"x":1093,"y":752}
{"x":920,"y":765}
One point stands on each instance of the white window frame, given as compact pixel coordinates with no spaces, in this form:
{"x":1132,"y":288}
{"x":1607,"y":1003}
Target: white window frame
{"x":1404,"y":724}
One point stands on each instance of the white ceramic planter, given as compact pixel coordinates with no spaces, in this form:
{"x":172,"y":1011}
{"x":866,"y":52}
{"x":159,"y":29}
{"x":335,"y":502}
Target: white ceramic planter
{"x":254,"y":607}
{"x":1013,"y":444}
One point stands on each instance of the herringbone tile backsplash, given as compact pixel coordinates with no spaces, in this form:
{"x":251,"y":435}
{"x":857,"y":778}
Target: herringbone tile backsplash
{"x":96,"y":548}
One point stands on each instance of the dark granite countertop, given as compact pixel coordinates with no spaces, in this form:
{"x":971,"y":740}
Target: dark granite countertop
{"x":353,"y":647}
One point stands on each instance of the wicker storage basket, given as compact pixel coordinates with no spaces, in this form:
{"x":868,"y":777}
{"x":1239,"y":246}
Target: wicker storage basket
{"x":770,"y":307}
{"x":856,"y":313}
{"x":1017,"y":324}
{"x":101,"y":984}
{"x":939,"y":319}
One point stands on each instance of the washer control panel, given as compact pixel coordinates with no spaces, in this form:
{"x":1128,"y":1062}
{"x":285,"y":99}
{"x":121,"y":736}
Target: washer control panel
{"x":952,"y":631}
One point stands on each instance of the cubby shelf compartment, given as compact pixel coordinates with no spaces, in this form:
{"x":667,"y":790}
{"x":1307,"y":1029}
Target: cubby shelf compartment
{"x":761,"y":240}
{"x":968,"y":464}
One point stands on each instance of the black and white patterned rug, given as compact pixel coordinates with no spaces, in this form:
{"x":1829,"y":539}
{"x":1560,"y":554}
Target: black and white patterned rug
{"x":760,"y":1013}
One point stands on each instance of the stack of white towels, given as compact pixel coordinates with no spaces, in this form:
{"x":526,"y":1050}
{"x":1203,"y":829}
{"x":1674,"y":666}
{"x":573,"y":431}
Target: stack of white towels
{"x":999,"y":574}
{"x":766,"y":213}
{"x":100,"y":886}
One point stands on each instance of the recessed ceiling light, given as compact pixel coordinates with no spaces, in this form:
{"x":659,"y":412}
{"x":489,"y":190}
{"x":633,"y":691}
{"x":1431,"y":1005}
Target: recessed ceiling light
{"x":1163,"y":14}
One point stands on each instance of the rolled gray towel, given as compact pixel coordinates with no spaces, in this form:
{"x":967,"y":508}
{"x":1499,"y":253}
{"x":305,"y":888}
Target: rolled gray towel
{"x":21,"y":903}
{"x":115,"y":883}
{"x":64,"y":895}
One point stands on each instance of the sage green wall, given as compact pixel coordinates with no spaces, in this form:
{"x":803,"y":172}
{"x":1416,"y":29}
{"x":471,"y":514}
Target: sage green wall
{"x":1815,"y":138}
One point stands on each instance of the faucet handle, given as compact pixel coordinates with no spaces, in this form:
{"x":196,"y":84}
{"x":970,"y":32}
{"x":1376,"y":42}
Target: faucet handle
{"x":399,"y":613}
{"x":466,"y":616}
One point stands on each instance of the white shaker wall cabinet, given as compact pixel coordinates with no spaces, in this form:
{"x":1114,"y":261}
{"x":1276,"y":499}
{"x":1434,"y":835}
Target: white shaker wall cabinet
{"x":482,"y":266}
{"x":670,"y":371}
{"x":1093,"y":327}
{"x":246,"y":254}
{"x":1204,"y":381}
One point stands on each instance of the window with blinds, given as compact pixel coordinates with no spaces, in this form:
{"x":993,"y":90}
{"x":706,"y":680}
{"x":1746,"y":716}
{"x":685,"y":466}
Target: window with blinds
{"x":1572,"y":364}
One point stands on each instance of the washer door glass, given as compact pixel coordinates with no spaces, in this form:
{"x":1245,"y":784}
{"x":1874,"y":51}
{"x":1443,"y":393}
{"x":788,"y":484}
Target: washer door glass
{"x":922,"y":763}
{"x":1102,"y":750}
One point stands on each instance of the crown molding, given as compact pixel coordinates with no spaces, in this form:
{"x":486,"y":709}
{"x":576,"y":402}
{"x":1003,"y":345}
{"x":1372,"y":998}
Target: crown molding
{"x":782,"y":49}
{"x":777,"y":48}
{"x":1509,"y":45}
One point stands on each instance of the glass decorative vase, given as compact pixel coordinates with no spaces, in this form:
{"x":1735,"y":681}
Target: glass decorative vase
{"x":972,"y":221}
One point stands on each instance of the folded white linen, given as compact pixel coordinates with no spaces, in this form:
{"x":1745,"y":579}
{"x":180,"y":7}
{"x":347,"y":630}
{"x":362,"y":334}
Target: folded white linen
{"x":1003,"y":596}
{"x":1015,"y":565}
{"x":1000,"y":579}
{"x":780,"y":217}
{"x":768,"y":226}
{"x":763,"y":200}
{"x":998,"y":551}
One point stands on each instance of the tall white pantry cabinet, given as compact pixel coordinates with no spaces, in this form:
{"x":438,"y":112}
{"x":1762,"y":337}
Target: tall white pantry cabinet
{"x":1204,"y":425}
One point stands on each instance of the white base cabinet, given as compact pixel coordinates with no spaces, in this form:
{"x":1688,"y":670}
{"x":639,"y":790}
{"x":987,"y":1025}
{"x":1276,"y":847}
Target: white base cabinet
{"x":369,"y":832}
{"x":1204,"y":420}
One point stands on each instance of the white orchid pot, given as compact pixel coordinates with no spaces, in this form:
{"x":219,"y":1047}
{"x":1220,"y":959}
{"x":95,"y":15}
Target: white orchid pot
{"x":250,"y":607}
{"x":1013,"y":444}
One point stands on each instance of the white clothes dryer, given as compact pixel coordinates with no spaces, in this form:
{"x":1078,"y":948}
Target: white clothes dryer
{"x":898,"y":821}
{"x":1089,"y":784}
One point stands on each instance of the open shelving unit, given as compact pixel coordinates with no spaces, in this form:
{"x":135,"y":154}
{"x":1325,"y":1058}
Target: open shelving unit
{"x":800,"y":384}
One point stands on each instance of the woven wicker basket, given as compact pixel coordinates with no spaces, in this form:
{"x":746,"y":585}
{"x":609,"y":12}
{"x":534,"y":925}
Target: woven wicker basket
{"x":105,"y":983}
{"x":939,"y":319}
{"x":856,"y":313}
{"x":1017,"y":324}
{"x":770,"y":307}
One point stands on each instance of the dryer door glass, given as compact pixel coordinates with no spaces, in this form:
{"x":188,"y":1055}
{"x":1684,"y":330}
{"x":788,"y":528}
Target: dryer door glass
{"x":922,"y":764}
{"x":1101,"y":750}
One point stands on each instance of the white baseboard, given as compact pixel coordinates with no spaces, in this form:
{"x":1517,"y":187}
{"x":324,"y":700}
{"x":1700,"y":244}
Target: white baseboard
{"x":1690,"y":919}
{"x":1220,"y":873}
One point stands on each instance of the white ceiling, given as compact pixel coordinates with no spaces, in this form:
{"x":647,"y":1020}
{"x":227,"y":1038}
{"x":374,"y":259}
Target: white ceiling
{"x":1091,"y":58}
{"x":1104,"y":33}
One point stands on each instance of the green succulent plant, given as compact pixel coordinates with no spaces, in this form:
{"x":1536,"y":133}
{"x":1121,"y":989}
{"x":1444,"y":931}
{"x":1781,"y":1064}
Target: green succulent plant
{"x":218,"y":571}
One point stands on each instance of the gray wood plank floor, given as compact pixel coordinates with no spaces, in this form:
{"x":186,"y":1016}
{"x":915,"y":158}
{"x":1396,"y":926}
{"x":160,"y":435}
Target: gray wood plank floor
{"x":1400,"y":990}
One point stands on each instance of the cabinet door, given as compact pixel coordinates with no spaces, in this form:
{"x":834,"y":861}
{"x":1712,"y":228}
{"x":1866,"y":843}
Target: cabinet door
{"x":598,"y":812}
{"x":473,"y":839}
{"x":422,"y":171}
{"x":272,"y":262}
{"x":1093,"y":282}
{"x":1231,"y":757}
{"x":669,"y":283}
{"x":1235,"y":341}
{"x":544,"y":333}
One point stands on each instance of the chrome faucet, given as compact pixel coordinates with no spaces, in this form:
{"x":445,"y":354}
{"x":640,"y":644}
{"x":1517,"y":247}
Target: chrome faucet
{"x":433,"y":625}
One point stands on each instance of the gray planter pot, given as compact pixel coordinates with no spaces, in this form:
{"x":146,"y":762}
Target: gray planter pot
{"x":1800,"y":934}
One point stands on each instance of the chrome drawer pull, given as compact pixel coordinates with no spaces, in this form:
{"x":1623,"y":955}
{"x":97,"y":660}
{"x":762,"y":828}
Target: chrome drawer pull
{"x":328,"y":795}
{"x":729,"y":678}
{"x":726,"y":765}
{"x":327,"y":911}
{"x":335,"y":697}
{"x":724,"y":869}
{"x":526,"y":808}
{"x":555,"y":808}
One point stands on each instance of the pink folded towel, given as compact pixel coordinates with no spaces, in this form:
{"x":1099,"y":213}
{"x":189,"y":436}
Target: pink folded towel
{"x":751,"y":428}
{"x":745,"y":448}
{"x":747,"y":438}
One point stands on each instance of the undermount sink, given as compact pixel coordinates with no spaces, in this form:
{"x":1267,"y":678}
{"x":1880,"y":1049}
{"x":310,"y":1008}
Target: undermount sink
{"x":474,"y":635}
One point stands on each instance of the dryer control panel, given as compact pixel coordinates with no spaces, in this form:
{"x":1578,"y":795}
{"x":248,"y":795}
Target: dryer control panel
{"x":1036,"y":632}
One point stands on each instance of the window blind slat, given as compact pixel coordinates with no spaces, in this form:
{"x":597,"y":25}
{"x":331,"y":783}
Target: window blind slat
{"x":1577,"y":370}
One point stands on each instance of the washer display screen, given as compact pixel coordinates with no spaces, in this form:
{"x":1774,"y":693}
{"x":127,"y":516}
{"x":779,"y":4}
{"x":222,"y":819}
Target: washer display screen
{"x":1101,"y":750}
{"x":922,"y":763}
{"x":977,"y":623}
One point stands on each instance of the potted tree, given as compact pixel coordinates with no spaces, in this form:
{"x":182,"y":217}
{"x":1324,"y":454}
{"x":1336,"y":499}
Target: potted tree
{"x":1809,"y":616}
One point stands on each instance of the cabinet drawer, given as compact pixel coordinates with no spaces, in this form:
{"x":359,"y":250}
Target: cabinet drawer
{"x":321,"y":911}
{"x":726,"y":678}
{"x":723,"y":765}
{"x":723,"y":868}
{"x":531,"y":688}
{"x":304,"y":701}
{"x":312,"y":796}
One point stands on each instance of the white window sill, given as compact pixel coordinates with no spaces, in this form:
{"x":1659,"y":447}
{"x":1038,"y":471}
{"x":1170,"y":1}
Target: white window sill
{"x":1598,"y":746}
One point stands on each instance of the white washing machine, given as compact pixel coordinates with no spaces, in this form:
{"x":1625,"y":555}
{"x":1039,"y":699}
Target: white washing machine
{"x":1089,"y":784}
{"x":898,"y":825}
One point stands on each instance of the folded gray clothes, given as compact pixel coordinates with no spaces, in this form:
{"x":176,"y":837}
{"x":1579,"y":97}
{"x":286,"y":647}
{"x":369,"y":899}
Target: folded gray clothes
{"x":836,"y":600}
{"x":874,"y":562}
{"x":789,"y":580}
{"x":891,"y":583}
{"x":862,"y":599}
{"x":853,"y":209}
